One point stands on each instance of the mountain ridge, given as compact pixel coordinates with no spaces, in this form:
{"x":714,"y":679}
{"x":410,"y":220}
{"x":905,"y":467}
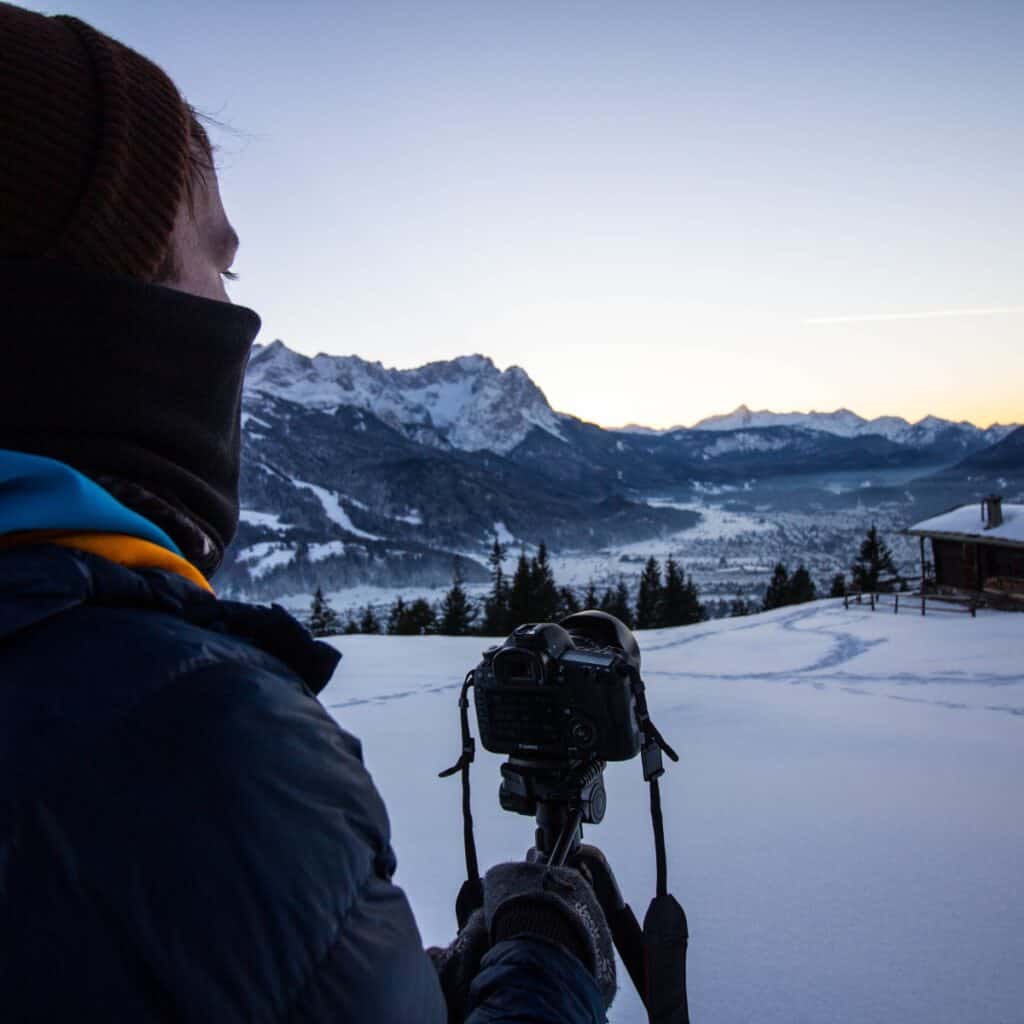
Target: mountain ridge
{"x":469,"y":404}
{"x":355,"y":473}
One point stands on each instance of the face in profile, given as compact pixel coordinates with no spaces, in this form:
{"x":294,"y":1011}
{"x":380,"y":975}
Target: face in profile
{"x":203,"y":243}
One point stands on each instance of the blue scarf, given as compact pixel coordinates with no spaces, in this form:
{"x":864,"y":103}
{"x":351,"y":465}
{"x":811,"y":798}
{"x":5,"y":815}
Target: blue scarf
{"x":37,"y":493}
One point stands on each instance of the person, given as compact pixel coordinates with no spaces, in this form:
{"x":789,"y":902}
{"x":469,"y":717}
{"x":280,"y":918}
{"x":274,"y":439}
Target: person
{"x":185,"y":833}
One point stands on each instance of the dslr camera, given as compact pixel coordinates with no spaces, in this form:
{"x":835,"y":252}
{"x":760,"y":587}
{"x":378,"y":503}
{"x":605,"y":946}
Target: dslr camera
{"x":561,"y":692}
{"x":560,"y":700}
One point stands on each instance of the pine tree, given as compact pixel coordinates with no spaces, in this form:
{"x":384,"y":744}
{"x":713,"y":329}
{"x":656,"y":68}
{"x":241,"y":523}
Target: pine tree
{"x":838,"y":586}
{"x":496,"y":614}
{"x":415,"y":619}
{"x":694,"y":610}
{"x":801,"y":588}
{"x":649,"y":596}
{"x":396,"y":614}
{"x":677,"y":605}
{"x":778,"y":589}
{"x":351,"y":626}
{"x":567,"y":603}
{"x":873,"y":559}
{"x":520,"y":595}
{"x":590,"y":598}
{"x":739,"y":607}
{"x":457,"y":613}
{"x":616,"y":602}
{"x":544,"y":592}
{"x":323,"y":619}
{"x":368,"y":621}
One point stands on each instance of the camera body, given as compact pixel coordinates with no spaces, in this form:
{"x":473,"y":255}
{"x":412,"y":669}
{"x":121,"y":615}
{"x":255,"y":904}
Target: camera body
{"x":561,"y":692}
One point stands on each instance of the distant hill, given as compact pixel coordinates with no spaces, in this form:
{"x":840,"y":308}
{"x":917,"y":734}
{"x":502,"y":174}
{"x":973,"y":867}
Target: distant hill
{"x":929,"y":433}
{"x":1006,"y":456}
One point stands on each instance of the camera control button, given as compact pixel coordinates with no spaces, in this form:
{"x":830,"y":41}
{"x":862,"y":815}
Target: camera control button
{"x":583,"y":732}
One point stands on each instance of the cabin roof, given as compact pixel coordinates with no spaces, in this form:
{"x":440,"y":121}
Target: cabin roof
{"x":964,"y":523}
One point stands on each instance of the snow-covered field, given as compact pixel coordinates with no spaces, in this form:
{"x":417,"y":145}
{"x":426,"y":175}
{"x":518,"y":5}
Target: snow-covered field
{"x":845,"y":829}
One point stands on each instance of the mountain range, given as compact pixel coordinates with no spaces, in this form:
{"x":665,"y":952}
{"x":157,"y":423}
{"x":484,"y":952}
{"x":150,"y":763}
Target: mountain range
{"x":844,"y":423}
{"x":356,"y":473}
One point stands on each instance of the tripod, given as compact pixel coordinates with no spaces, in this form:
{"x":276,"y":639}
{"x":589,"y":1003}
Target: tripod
{"x":562,"y":796}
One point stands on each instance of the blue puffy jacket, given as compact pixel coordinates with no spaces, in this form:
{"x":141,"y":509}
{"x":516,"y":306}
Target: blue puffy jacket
{"x":186,"y":835}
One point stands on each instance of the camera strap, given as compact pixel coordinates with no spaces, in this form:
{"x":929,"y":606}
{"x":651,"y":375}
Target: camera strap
{"x":471,"y":894}
{"x":665,"y":932}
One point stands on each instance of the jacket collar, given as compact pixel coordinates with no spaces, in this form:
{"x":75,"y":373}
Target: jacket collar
{"x":41,"y":582}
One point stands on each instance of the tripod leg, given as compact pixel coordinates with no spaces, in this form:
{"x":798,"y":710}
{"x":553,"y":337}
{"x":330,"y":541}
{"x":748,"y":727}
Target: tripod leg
{"x":626,"y":932}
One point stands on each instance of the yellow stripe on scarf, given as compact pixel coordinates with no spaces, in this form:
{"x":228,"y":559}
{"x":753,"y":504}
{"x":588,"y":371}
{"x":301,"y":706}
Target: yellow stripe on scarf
{"x":131,"y":552}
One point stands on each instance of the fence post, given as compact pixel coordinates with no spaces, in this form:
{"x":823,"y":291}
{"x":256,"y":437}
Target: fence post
{"x":872,"y":600}
{"x":896,"y":609}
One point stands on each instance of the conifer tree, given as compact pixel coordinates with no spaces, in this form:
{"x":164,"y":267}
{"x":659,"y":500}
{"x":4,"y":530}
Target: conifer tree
{"x":590,"y":598}
{"x":680,"y":605}
{"x":368,"y":621}
{"x":496,"y":614}
{"x":323,"y":619}
{"x":457,"y":613}
{"x":351,"y":626}
{"x":616,"y":602}
{"x":415,"y":619}
{"x":873,"y":559}
{"x":396,"y":613}
{"x":520,"y":595}
{"x":801,"y":588}
{"x":778,"y":589}
{"x":739,"y":607}
{"x":544,"y":599}
{"x":649,"y":596}
{"x":838,"y":586}
{"x":567,"y":603}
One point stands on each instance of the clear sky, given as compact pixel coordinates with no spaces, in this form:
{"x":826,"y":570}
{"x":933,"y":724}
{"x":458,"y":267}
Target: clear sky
{"x":659,"y":209}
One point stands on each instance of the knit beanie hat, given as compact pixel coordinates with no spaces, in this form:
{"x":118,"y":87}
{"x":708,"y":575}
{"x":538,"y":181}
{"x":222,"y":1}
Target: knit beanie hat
{"x":94,"y":146}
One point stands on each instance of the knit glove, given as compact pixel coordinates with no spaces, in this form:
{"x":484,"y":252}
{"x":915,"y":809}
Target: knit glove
{"x":458,"y":963}
{"x":556,"y":904}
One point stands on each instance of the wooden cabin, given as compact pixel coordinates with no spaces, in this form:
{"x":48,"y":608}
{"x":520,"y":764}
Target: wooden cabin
{"x":976,"y":548}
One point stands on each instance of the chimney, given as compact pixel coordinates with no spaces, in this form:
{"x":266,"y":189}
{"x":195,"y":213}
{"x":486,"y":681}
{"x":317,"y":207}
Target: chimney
{"x":992,"y":511}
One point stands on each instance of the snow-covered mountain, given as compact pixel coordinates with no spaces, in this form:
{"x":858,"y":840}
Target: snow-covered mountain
{"x":465,"y":403}
{"x":355,"y":473}
{"x":845,"y":423}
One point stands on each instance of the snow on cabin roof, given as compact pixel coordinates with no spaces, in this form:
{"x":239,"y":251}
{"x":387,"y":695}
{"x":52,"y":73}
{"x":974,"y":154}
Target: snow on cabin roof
{"x":965,"y":523}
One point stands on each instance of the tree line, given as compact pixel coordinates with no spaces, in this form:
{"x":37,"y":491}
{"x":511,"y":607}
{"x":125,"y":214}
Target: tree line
{"x":663,"y":597}
{"x":531,"y":594}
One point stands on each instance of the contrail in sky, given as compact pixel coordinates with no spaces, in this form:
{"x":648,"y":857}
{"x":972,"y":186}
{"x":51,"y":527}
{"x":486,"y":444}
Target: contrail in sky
{"x":933,"y":314}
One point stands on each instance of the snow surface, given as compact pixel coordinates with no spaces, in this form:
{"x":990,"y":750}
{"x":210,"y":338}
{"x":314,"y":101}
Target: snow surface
{"x":844,"y":829}
{"x":265,"y":556}
{"x":503,"y":534}
{"x":331,"y":502}
{"x":967,"y":520}
{"x":269,"y":519}
{"x":318,"y":552}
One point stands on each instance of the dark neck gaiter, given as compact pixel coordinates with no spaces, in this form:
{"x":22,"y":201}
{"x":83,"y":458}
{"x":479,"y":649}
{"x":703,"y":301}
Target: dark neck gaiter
{"x":135,"y":385}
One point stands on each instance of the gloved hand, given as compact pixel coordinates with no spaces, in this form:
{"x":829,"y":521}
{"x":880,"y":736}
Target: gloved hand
{"x":457,"y":964}
{"x":556,"y":904}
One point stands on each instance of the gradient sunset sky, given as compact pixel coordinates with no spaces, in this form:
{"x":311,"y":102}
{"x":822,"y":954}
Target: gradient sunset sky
{"x":660,"y":210}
